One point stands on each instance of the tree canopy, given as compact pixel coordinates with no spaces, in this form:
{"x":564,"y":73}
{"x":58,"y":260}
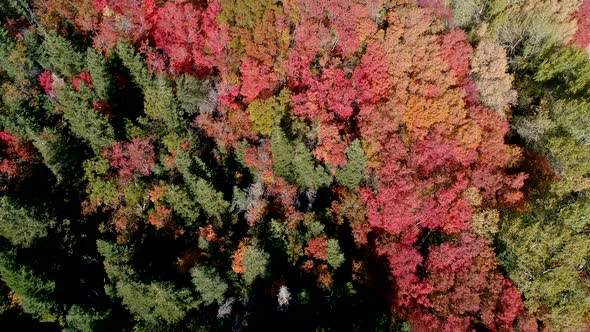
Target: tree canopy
{"x":343,"y":165}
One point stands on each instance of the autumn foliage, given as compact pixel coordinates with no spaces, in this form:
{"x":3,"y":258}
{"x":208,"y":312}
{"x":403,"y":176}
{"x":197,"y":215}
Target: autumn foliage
{"x":131,"y":159}
{"x":414,"y":78}
{"x":355,"y":149}
{"x":15,"y":154}
{"x":582,"y":35}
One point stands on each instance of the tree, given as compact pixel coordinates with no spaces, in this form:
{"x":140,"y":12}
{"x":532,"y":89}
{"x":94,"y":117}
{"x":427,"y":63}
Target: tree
{"x":60,"y":56}
{"x":255,"y":262}
{"x":210,"y":200}
{"x":209,"y":284}
{"x":350,"y":176}
{"x":21,"y":226}
{"x":53,"y":148}
{"x":125,"y":21}
{"x":134,"y":63}
{"x":82,"y":13}
{"x":16,"y":154}
{"x":84,"y":121}
{"x":85,"y":319}
{"x":181,"y":203}
{"x":466,"y":270}
{"x":98,"y":69}
{"x":568,"y":66}
{"x":557,"y":129}
{"x":190,"y":37}
{"x":46,"y":82}
{"x":293,"y":162}
{"x":195,"y":96}
{"x":457,"y":50}
{"x":467,"y":12}
{"x":258,"y":80}
{"x":488,"y":68}
{"x":331,"y":145}
{"x":318,"y":248}
{"x":153,"y":302}
{"x":317,"y":100}
{"x":545,"y":256}
{"x":335,"y":257}
{"x":583,"y":21}
{"x":265,"y":114}
{"x":131,"y":159}
{"x":34,"y":291}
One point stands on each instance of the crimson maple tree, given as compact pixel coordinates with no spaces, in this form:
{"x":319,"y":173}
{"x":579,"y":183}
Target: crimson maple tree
{"x":131,"y":159}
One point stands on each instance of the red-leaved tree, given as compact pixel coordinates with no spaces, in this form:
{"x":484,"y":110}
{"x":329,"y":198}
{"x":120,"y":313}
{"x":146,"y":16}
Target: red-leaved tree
{"x":131,"y":159}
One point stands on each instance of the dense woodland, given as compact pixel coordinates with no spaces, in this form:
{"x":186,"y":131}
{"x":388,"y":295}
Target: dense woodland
{"x":336,"y":165}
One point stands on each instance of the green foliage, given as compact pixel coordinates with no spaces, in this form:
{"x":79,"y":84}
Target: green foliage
{"x":160,"y":104}
{"x":243,"y":13}
{"x":559,"y":126}
{"x":282,"y":154}
{"x":101,"y":79}
{"x":209,"y":284}
{"x":289,"y":240}
{"x":524,"y":33}
{"x":266,"y":114}
{"x":20,"y":102}
{"x":16,"y":8}
{"x":154,"y":302}
{"x":60,"y":56}
{"x":550,"y":251}
{"x":572,"y":158}
{"x":210,"y":200}
{"x":545,"y":249}
{"x":134,"y":193}
{"x":294,"y":162}
{"x":335,"y":256}
{"x":7,"y":45}
{"x":112,"y":253}
{"x":533,"y":128}
{"x":350,"y":176}
{"x":181,"y":203}
{"x":573,"y":117}
{"x":19,"y":225}
{"x":467,"y":12}
{"x":35,"y":293}
{"x":99,"y":188}
{"x":84,"y":121}
{"x":85,"y":319}
{"x":54,"y":148}
{"x":567,"y":69}
{"x":133,"y":61}
{"x":239,"y":199}
{"x":314,"y":229}
{"x":536,"y":33}
{"x":568,"y":143}
{"x":406,"y":327}
{"x":255,"y":263}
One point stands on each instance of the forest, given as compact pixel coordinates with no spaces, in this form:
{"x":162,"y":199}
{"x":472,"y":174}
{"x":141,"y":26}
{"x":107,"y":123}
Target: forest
{"x":295,"y":165}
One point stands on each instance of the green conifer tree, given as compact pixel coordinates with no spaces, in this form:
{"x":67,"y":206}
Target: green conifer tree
{"x":99,"y":71}
{"x":209,"y":284}
{"x":294,"y":162}
{"x":255,"y":263}
{"x":350,"y":176}
{"x":60,"y":56}
{"x":19,"y":225}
